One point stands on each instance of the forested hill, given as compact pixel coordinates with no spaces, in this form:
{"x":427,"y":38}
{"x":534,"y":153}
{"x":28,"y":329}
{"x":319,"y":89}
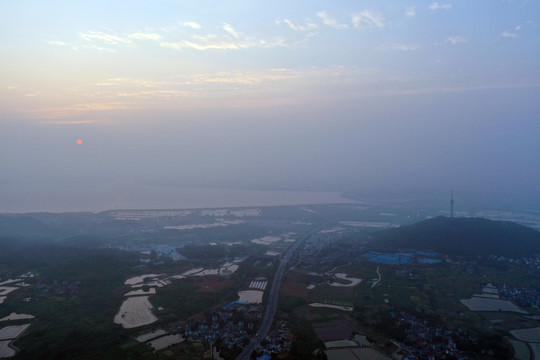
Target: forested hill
{"x":463,"y":236}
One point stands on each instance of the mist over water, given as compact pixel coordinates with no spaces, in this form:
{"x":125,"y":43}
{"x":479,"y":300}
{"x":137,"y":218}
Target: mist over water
{"x":67,"y":197}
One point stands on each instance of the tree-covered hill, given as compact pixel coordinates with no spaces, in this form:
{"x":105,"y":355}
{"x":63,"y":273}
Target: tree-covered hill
{"x":463,"y":236}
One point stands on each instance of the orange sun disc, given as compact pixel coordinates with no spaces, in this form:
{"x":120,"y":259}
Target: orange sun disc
{"x":79,"y":141}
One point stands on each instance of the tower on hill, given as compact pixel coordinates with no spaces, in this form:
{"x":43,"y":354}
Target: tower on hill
{"x":452,"y":204}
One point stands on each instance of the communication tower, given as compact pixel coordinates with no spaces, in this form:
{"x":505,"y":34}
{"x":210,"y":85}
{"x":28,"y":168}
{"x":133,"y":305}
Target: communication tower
{"x":452,"y":204}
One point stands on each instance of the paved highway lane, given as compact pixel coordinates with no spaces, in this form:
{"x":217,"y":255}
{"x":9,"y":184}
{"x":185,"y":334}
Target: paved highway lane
{"x":271,"y":305}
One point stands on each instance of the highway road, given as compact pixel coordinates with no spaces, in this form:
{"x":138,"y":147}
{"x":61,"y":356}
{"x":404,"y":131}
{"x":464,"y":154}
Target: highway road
{"x":271,"y":305}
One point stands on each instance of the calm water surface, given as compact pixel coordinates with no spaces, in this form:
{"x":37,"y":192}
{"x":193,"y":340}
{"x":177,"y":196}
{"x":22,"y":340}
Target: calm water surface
{"x":91,"y":197}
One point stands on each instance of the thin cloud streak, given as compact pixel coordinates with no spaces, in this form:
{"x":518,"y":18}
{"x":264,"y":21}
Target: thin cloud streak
{"x":193,"y":25}
{"x":397,"y":46}
{"x":146,"y":36}
{"x":329,"y":21}
{"x":301,"y":28}
{"x":453,"y":40}
{"x":508,"y":34}
{"x":436,"y":6}
{"x":410,"y":12}
{"x":231,"y":89}
{"x":110,"y":39}
{"x":366,"y":19}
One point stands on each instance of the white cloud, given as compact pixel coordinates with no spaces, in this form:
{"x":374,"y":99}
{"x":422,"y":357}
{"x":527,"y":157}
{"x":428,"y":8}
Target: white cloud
{"x":201,"y":45}
{"x":145,"y":36}
{"x":59,"y":43}
{"x":508,"y":34}
{"x":104,"y":37}
{"x":328,"y":21}
{"x":300,"y":28}
{"x":456,"y":40}
{"x":247,"y":78}
{"x":100,"y":48}
{"x":365,"y":19}
{"x":436,"y":6}
{"x":192,"y":25}
{"x":410,"y":11}
{"x":213,"y":41}
{"x":399,"y":46}
{"x":453,"y":40}
{"x":129,"y":81}
{"x":228,"y":28}
{"x":514,"y":34}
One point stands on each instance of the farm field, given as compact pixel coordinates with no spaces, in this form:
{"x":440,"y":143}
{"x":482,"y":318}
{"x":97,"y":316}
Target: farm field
{"x":15,"y":316}
{"x":203,"y":226}
{"x":251,"y":296}
{"x":9,"y":281}
{"x":330,"y":306}
{"x":165,"y":341}
{"x":267,"y":240}
{"x":5,"y":350}
{"x":536,"y":349}
{"x":355,"y":354}
{"x":212,"y":283}
{"x":527,"y":335}
{"x":140,"y":279}
{"x":352,"y":281}
{"x":521,"y":350}
{"x":150,"y":335}
{"x":135,"y":312}
{"x":140,"y":292}
{"x":12,"y":332}
{"x":4,"y":290}
{"x":334,"y":330}
{"x":489,"y":304}
{"x":260,"y":285}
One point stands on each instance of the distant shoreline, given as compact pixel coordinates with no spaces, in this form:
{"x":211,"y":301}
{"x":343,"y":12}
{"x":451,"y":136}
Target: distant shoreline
{"x":60,"y":198}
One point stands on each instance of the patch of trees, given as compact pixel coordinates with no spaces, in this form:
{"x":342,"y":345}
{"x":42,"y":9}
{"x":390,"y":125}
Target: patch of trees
{"x":305,"y":341}
{"x":464,"y":237}
{"x":289,"y":303}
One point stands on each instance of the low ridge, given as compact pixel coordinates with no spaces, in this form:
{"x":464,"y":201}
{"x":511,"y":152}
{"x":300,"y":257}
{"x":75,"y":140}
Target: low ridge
{"x":464,"y":236}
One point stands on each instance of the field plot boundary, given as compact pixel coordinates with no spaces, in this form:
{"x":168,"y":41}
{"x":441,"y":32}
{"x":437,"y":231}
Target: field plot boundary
{"x":521,"y":350}
{"x":527,"y":335}
{"x":13,"y":331}
{"x":6,"y":350}
{"x":338,"y":307}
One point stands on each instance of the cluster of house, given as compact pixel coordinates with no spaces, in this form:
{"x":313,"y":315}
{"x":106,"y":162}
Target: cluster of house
{"x":524,"y":297}
{"x":149,"y":250}
{"x":223,"y":329}
{"x":459,"y":264}
{"x":58,"y":287}
{"x":316,"y":257}
{"x":278,"y":342}
{"x":229,"y":330}
{"x":531,"y":262}
{"x":426,"y":341}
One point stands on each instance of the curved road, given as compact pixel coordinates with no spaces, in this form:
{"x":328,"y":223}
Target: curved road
{"x":378,"y":281}
{"x":271,"y":306}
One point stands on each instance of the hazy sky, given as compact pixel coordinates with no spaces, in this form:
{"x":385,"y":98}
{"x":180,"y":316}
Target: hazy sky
{"x":345,"y":95}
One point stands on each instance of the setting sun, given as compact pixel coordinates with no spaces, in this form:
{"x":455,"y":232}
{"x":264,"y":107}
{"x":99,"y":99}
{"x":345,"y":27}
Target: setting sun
{"x":79,"y":141}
